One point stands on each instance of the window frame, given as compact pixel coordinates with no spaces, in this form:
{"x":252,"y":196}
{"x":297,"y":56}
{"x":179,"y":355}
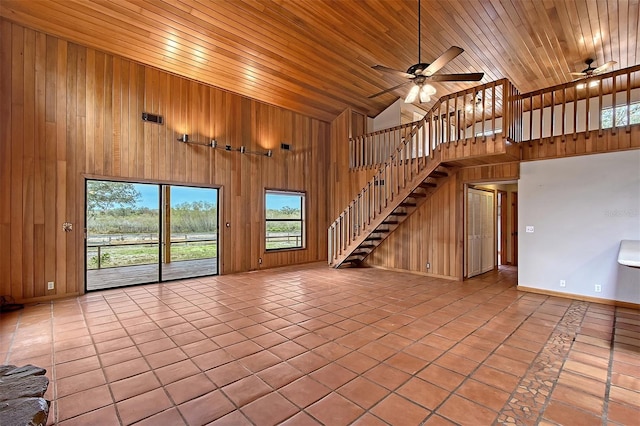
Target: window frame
{"x":303,"y":229}
{"x":621,"y":107}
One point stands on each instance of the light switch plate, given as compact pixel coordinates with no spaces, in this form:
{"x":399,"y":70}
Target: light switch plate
{"x":529,"y":228}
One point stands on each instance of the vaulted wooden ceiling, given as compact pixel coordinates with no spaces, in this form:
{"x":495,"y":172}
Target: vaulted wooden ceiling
{"x":315,"y":56}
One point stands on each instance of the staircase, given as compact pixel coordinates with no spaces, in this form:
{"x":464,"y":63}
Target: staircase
{"x":401,"y":185}
{"x":413,"y":161}
{"x":393,"y":215}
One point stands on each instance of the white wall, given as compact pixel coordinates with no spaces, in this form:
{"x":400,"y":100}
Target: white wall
{"x":388,"y":118}
{"x":580,"y":207}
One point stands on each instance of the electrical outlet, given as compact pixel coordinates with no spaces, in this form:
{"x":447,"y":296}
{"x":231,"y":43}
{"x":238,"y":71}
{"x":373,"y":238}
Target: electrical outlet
{"x":50,"y":285}
{"x":259,"y":261}
{"x":563,"y":283}
{"x":428,"y":265}
{"x":598,"y":288}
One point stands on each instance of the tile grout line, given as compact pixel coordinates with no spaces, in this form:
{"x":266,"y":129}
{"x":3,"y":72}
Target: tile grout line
{"x":607,"y":389}
{"x":453,"y":391}
{"x":518,"y":410}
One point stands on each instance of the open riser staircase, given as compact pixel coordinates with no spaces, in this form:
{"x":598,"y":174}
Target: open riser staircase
{"x":408,"y":175}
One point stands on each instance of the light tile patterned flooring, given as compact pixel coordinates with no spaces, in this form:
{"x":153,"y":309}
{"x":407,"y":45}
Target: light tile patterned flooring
{"x":311,"y":345}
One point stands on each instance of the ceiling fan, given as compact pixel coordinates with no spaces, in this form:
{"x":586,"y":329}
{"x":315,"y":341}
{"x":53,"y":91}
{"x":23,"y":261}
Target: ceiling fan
{"x":419,"y":74}
{"x":591,"y":71}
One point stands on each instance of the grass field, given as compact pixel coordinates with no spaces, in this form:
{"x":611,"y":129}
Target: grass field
{"x":114,"y":255}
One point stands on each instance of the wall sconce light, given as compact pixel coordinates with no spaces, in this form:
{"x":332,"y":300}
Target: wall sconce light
{"x":214,"y":143}
{"x":243,"y":149}
{"x":184,"y":138}
{"x":269,"y":153}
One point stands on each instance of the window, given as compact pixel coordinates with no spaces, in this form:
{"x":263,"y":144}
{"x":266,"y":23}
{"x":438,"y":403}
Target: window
{"x":284,"y":220}
{"x":621,"y":115}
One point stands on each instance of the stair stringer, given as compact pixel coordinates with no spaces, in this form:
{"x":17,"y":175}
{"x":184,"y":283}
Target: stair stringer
{"x":371,"y":233}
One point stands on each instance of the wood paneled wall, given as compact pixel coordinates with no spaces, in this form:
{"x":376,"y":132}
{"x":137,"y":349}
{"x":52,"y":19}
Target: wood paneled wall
{"x":344,"y":183}
{"x":67,"y":112}
{"x":435,"y":232}
{"x":607,"y":140}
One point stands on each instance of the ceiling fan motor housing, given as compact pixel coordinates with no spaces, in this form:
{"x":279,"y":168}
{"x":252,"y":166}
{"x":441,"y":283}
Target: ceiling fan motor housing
{"x":414,"y":69}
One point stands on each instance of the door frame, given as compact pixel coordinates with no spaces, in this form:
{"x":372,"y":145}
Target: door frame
{"x":502,"y":224}
{"x":512,"y":209}
{"x":467,"y":187}
{"x":514,"y":228}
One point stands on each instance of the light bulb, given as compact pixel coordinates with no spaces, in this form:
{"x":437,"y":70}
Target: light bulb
{"x":413,"y":95}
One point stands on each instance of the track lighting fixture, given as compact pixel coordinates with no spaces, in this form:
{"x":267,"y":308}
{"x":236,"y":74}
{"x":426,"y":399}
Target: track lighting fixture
{"x":184,"y":138}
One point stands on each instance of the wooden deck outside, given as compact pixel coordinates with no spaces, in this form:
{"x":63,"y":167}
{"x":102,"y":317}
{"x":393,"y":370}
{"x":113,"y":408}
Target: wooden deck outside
{"x":101,"y":279}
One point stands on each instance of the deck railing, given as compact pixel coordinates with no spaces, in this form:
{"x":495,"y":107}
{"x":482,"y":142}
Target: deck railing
{"x":456,"y":118}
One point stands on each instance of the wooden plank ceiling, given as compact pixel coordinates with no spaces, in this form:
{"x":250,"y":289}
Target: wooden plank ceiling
{"x":315,"y":56}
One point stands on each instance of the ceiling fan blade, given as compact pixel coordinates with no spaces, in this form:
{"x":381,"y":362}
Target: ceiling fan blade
{"x":442,"y":60}
{"x":578,"y":74}
{"x":390,"y":89}
{"x":392,"y":71}
{"x":474,"y":76}
{"x":603,"y":68}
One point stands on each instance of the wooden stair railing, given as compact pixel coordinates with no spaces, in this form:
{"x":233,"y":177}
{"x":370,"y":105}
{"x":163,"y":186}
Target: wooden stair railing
{"x":413,"y":170}
{"x":395,"y":191}
{"x":372,"y":232}
{"x":373,"y":149}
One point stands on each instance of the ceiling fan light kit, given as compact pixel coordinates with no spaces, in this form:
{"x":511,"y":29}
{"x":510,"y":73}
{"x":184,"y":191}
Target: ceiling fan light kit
{"x":420,"y":91}
{"x":421,"y":72}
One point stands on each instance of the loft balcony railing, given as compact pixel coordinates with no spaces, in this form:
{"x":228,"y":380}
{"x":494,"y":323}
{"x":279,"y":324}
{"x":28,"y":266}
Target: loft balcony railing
{"x":464,"y":117}
{"x":566,"y":110}
{"x":587,"y":106}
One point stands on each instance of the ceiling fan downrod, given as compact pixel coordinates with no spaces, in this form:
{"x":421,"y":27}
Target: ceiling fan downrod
{"x":419,"y":36}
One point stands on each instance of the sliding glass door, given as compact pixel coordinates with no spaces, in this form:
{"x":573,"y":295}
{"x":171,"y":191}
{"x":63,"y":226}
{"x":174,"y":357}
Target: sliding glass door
{"x":144,"y":233}
{"x":190,"y":246}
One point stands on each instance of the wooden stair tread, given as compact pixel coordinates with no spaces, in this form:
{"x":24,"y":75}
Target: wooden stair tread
{"x":427,"y":185}
{"x":438,"y":173}
{"x":404,"y":204}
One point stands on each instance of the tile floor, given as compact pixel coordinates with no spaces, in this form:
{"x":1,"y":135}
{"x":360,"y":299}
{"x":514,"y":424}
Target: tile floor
{"x":311,"y":345}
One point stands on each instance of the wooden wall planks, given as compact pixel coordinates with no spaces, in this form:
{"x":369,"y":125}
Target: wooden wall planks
{"x":435,"y":232}
{"x":315,"y":57}
{"x":67,"y":112}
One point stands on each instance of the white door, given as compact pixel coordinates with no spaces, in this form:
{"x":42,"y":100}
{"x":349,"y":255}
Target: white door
{"x":480,"y":232}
